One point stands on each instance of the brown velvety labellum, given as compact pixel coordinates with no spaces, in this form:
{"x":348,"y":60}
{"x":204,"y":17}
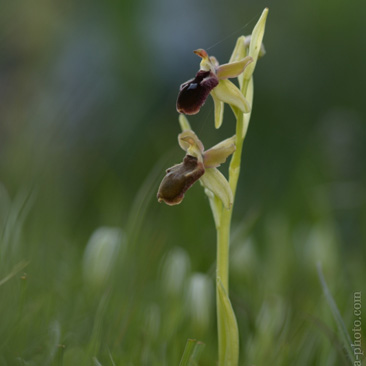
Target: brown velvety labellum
{"x":178,"y":179}
{"x":194,"y":92}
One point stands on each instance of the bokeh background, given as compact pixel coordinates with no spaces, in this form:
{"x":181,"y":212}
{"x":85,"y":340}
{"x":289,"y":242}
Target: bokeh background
{"x":92,"y":269}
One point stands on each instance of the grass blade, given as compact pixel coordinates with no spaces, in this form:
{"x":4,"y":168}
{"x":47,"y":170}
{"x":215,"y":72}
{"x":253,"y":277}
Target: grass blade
{"x":17,"y":268}
{"x":188,"y":352}
{"x":198,"y":348}
{"x":346,"y":339}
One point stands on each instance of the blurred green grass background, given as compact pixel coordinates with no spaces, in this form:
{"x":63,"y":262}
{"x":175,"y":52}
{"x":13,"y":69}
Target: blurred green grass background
{"x":92,"y":269}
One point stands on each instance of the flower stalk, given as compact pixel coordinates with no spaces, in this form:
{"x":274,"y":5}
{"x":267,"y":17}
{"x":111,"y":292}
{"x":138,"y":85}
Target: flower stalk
{"x":228,"y":350}
{"x":200,"y":164}
{"x":228,"y":334}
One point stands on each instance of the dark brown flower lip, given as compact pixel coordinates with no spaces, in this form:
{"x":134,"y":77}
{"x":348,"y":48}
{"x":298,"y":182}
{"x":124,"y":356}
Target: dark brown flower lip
{"x":179,"y":179}
{"x":193,"y":93}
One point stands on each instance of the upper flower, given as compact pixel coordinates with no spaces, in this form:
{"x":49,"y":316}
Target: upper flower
{"x":213,"y":78}
{"x":197,"y":164}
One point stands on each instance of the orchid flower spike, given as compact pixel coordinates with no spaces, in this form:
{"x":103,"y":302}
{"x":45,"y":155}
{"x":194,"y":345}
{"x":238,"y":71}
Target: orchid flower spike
{"x":198,"y":164}
{"x":212,"y":78}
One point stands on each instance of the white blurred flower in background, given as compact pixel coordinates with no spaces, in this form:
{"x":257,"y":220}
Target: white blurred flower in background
{"x":200,"y":300}
{"x":100,"y":254}
{"x":175,"y":270}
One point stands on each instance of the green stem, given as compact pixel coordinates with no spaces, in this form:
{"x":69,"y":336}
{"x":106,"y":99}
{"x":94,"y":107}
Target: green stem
{"x":223,"y":242}
{"x":222,"y":273}
{"x":223,"y":231}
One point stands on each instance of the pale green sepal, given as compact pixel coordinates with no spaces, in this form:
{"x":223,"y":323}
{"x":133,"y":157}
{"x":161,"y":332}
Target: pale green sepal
{"x":250,"y":93}
{"x":190,"y":143}
{"x":218,"y":154}
{"x":240,"y":50}
{"x":215,"y":181}
{"x":219,"y":111}
{"x":256,"y":43}
{"x":216,"y":207}
{"x":231,"y":356}
{"x":228,"y":93}
{"x":233,"y":69}
{"x":184,"y":124}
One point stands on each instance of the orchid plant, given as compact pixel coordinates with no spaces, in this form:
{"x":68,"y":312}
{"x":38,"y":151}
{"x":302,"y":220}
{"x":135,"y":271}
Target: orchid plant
{"x":200,"y":164}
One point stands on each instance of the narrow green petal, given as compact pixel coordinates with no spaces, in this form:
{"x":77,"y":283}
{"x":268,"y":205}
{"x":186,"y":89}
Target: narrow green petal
{"x":233,"y":69}
{"x":214,"y":181}
{"x":218,"y":154}
{"x":184,"y":124}
{"x":219,"y":111}
{"x":256,"y":43}
{"x":239,"y":51}
{"x":228,"y":93}
{"x":231,"y":355}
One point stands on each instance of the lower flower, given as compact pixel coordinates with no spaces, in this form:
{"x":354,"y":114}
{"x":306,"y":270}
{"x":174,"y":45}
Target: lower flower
{"x":197,"y":164}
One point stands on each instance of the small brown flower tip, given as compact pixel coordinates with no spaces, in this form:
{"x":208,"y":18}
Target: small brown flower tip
{"x":201,"y":53}
{"x":179,"y":179}
{"x":193,"y":93}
